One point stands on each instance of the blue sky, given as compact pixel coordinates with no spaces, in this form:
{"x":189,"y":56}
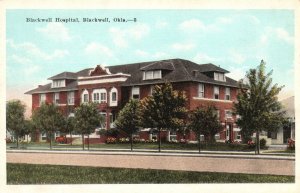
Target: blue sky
{"x":234,"y":39}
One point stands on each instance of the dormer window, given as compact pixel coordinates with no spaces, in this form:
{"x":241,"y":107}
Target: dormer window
{"x":58,"y":83}
{"x":152,"y":74}
{"x":219,"y":76}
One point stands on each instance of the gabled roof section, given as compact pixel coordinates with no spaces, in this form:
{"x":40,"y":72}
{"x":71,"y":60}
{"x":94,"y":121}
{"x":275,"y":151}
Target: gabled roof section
{"x":159,"y":65}
{"x":211,"y":68}
{"x":64,"y":75}
{"x":99,"y":70}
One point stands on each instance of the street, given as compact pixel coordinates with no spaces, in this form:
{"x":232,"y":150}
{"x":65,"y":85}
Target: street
{"x":184,"y":162}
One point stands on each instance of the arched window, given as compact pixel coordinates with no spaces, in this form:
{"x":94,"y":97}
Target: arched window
{"x":113,"y":97}
{"x":85,"y":96}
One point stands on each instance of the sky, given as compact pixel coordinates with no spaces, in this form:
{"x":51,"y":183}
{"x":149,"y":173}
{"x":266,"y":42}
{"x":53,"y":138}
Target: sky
{"x":235,"y":40}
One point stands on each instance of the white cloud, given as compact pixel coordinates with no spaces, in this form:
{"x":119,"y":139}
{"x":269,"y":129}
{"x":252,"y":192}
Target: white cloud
{"x":55,"y":31}
{"x":204,"y":58}
{"x":236,"y":73}
{"x":27,"y":64}
{"x":95,"y":48}
{"x":284,"y":35}
{"x":121,"y":37}
{"x":236,"y":57}
{"x":32,"y":50}
{"x":183,"y":46}
{"x":194,"y":25}
{"x":141,"y":53}
{"x":224,"y":20}
{"x":161,"y":55}
{"x":161,"y":24}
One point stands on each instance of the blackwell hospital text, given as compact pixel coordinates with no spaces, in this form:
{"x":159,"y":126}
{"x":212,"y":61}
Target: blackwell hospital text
{"x":77,"y":20}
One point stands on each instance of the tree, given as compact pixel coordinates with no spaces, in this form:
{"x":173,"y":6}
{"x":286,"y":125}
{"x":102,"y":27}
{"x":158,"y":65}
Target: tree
{"x":258,"y":105}
{"x":204,"y":120}
{"x":87,"y":118}
{"x":15,"y":118}
{"x":28,"y":128}
{"x":48,"y":118}
{"x":165,"y":109}
{"x":128,"y":119}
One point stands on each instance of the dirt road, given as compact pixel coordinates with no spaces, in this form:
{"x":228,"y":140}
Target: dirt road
{"x":187,"y":163}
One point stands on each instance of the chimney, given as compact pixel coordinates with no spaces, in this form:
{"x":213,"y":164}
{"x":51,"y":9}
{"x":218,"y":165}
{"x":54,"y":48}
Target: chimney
{"x":195,"y":72}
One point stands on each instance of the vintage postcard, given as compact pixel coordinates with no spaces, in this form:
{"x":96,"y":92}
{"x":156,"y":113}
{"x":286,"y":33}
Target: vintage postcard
{"x":153,"y":96}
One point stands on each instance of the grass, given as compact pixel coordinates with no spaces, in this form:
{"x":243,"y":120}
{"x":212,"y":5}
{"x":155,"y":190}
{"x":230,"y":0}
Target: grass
{"x":51,"y":174}
{"x":165,"y":146}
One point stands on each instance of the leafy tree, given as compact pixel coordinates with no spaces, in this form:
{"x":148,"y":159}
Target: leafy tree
{"x":87,"y":118}
{"x":204,"y":120}
{"x":128,"y":119}
{"x":48,"y":118}
{"x":258,"y":105}
{"x":15,"y":118}
{"x":28,"y":128}
{"x":165,"y":109}
{"x":70,"y":126}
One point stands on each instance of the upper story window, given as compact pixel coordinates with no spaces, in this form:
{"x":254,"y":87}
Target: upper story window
{"x":216,"y":92}
{"x":113,"y":97}
{"x":56,"y":98}
{"x":135,"y":92}
{"x":58,"y":83}
{"x":71,"y":98}
{"x":42,"y":98}
{"x":219,"y":76}
{"x":85,"y":96}
{"x":99,"y":96}
{"x":227,"y":93}
{"x":201,"y":90}
{"x":228,"y":114}
{"x":153,"y":74}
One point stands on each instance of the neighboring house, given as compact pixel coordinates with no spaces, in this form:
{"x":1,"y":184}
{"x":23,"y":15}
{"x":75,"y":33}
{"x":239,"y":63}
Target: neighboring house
{"x":283,"y":134}
{"x":113,"y":86}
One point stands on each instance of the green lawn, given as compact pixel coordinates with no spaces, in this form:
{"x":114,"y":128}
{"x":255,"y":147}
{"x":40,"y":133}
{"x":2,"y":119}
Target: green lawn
{"x":50,"y":174}
{"x":165,"y":146}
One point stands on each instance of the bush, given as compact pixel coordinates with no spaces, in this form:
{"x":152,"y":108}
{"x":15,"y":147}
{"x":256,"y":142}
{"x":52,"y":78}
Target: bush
{"x":111,"y":140}
{"x":263,"y":143}
{"x":251,"y":144}
{"x":291,"y":144}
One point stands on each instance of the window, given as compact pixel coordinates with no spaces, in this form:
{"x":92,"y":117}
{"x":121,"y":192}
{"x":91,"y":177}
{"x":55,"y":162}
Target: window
{"x":217,"y":112}
{"x":153,"y":74}
{"x":96,"y":97}
{"x":135,"y":92}
{"x":56,"y":98}
{"x":219,"y":76}
{"x":42,"y":98}
{"x":103,"y":97}
{"x":201,"y":90}
{"x":157,"y":74}
{"x":71,"y":98}
{"x":58,"y":83}
{"x":228,"y":114}
{"x":227,"y":93}
{"x":237,"y":135}
{"x":113,"y":97}
{"x":216,"y":92}
{"x":85,"y":96}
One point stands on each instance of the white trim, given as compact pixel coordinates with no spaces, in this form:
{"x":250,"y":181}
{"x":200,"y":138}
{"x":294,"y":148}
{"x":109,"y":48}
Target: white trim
{"x":84,"y":82}
{"x":111,"y":102}
{"x":108,"y":75}
{"x":215,"y":100}
{"x":82,"y":96}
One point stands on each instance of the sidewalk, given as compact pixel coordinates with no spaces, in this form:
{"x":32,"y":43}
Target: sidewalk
{"x":147,"y":152}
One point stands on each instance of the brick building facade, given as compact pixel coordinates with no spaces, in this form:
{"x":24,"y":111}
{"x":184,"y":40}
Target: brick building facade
{"x":112,"y":86}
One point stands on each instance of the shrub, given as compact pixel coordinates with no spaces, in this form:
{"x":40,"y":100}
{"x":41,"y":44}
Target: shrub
{"x":291,"y":144}
{"x":111,"y":140}
{"x":251,"y":144}
{"x":263,"y":143}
